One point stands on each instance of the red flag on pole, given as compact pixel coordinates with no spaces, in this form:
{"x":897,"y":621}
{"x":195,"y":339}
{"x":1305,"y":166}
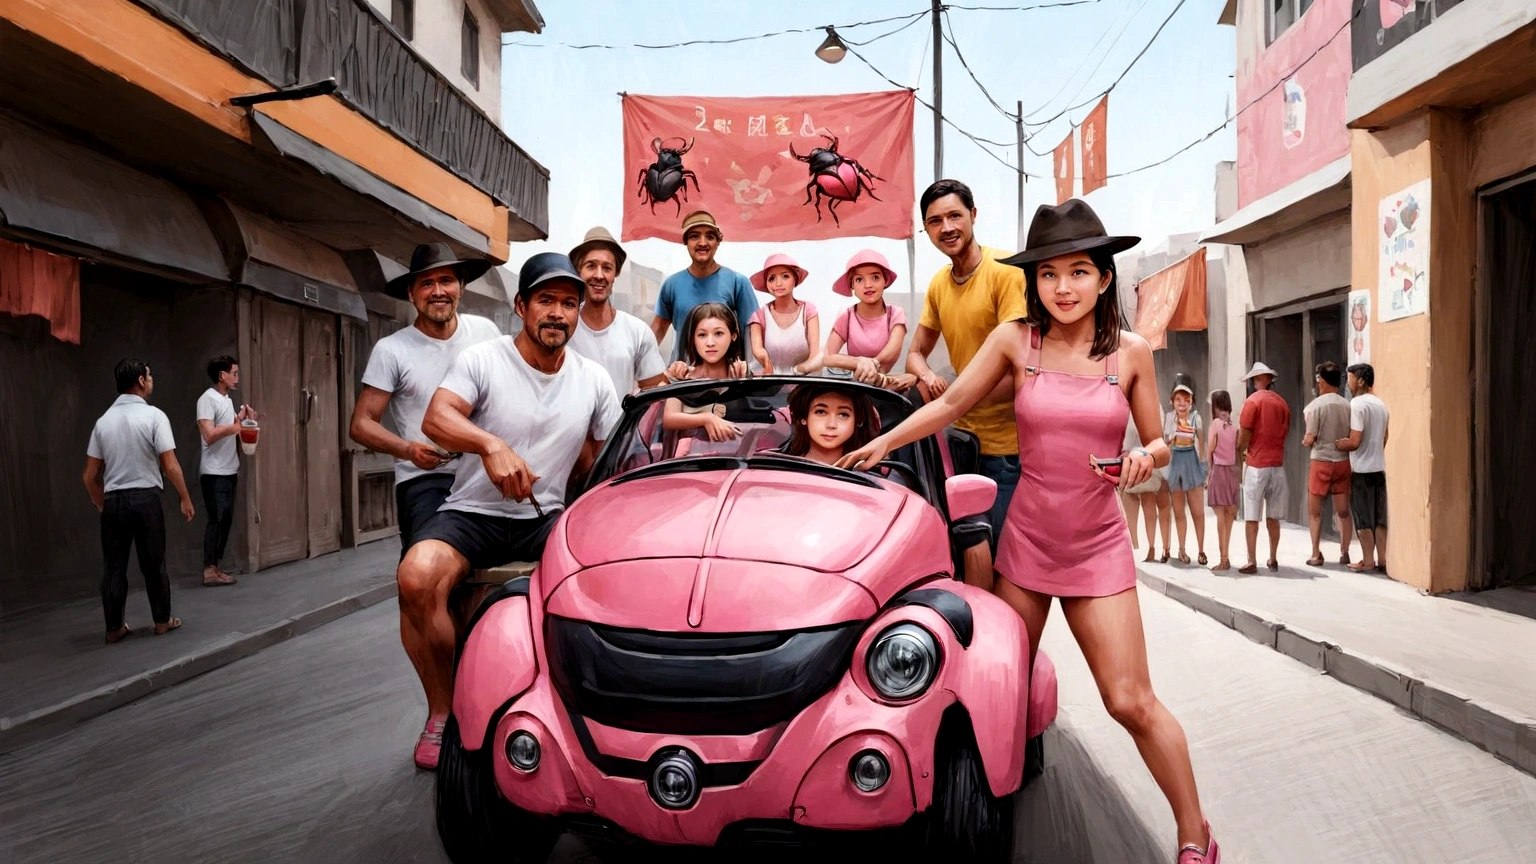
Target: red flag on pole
{"x":1095,"y":168}
{"x":1063,"y":170}
{"x":771,"y":168}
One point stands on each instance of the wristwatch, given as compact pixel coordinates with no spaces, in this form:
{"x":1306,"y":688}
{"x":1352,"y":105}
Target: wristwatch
{"x":1141,"y":451}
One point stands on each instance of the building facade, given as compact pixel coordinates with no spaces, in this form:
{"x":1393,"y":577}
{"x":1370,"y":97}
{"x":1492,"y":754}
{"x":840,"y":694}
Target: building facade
{"x":1442,"y":113}
{"x":1289,"y":275}
{"x":147,"y":209}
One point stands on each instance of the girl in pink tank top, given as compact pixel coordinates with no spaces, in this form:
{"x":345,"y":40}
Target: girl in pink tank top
{"x":866,"y":338}
{"x":1077,"y":380}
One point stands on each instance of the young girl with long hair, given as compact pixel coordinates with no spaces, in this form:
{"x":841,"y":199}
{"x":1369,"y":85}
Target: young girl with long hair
{"x":786,"y":333}
{"x":713,"y":347}
{"x":1182,"y":428}
{"x":827,"y":421}
{"x":1076,"y":378}
{"x":866,"y":338}
{"x":1225,"y":488}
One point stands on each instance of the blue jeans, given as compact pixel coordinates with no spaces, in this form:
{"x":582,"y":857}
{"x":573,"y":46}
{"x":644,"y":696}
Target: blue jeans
{"x":1005,"y":471}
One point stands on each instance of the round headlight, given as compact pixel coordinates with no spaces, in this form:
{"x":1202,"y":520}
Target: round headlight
{"x":523,"y":751}
{"x":869,"y":770}
{"x":675,"y":782}
{"x":903,"y":661}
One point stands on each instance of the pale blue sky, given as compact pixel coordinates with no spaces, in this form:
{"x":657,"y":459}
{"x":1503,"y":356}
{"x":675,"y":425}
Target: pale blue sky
{"x":562,"y":106}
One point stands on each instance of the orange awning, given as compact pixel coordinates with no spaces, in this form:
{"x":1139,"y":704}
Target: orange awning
{"x":35,"y":282}
{"x":1173,"y":298}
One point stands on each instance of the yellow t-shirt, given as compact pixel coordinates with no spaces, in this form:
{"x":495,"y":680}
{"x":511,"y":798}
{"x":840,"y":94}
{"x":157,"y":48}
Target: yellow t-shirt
{"x":964,"y":315}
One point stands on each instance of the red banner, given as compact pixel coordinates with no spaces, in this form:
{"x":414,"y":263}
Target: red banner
{"x":1095,"y":170}
{"x":1063,"y":169}
{"x":770,"y":168}
{"x":1173,"y":298}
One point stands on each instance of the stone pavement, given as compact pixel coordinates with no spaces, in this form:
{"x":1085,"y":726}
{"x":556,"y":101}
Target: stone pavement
{"x":56,"y":670}
{"x":1292,"y":765}
{"x":1464,"y":662}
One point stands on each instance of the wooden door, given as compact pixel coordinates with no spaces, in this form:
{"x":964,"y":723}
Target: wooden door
{"x":278,"y":466}
{"x":321,"y":431}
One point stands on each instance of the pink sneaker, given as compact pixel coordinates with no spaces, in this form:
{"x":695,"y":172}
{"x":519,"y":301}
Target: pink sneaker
{"x":1192,"y":854}
{"x":431,"y":743}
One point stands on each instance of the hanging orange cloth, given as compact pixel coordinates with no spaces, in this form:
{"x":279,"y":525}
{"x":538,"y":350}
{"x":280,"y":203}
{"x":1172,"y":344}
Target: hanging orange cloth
{"x":35,"y":282}
{"x":1173,"y":298}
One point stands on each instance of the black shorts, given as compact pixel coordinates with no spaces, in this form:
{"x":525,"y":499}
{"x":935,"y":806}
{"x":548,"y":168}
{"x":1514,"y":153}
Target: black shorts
{"x":1368,"y":500}
{"x":416,"y":500}
{"x":489,"y":541}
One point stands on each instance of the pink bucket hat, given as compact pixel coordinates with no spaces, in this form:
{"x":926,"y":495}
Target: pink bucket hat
{"x":777,"y":259}
{"x":859,"y":259}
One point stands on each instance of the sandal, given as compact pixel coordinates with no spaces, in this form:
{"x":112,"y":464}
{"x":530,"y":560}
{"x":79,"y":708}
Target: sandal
{"x":1248,"y":569}
{"x":118,"y":635}
{"x":1183,"y":558}
{"x":1273,"y":565}
{"x":162,"y":629}
{"x":1203,"y":560}
{"x":1192,"y":854}
{"x":1315,"y":561}
{"x":1344,"y":559}
{"x":1224,"y":565}
{"x":1164,"y":559}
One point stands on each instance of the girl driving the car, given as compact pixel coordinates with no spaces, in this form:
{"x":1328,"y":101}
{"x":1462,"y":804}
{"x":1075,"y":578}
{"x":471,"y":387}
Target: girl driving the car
{"x":713,"y":347}
{"x":826,"y":422}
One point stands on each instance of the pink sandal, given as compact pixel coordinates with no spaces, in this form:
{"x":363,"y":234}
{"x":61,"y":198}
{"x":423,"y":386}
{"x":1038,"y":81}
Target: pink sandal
{"x":430,"y":744}
{"x":1192,"y":854}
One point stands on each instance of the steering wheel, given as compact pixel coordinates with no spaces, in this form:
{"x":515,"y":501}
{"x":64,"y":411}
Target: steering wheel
{"x":905,"y":470}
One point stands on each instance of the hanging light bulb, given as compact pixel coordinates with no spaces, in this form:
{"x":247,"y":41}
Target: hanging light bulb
{"x":831,"y":49}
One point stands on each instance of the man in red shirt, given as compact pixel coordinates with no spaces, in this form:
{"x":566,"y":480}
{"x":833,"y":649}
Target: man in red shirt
{"x":1265,"y":422}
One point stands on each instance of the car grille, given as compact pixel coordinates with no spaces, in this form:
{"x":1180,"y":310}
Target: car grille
{"x":694,"y":684}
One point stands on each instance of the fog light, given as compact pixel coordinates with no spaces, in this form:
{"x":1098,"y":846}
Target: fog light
{"x":675,"y":782}
{"x":523,"y":751}
{"x":869,"y":770}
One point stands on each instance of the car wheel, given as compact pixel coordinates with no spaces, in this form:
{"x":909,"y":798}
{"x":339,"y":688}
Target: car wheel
{"x":966,"y":822}
{"x":475,"y":824}
{"x":1034,"y":758}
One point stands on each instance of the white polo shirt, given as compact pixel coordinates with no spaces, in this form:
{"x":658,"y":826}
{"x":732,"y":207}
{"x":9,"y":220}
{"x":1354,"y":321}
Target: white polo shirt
{"x":129,"y":438}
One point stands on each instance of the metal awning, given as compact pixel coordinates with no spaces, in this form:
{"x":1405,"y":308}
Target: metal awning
{"x":1324,"y":191}
{"x":273,"y":258}
{"x":57,"y":193}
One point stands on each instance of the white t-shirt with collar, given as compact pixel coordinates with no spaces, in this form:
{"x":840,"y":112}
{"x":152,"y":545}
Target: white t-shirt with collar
{"x":545,"y":419}
{"x":222,"y":457}
{"x":626,"y":348}
{"x":129,"y":438}
{"x":408,"y":364}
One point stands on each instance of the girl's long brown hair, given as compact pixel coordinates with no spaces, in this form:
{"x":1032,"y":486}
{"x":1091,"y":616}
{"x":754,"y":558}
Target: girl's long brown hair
{"x":866,"y":422}
{"x":1107,"y":319}
{"x":701,"y":312}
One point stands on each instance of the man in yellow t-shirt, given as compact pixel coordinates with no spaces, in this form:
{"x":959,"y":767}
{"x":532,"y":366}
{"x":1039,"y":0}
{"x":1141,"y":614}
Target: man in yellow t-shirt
{"x":965,"y":301}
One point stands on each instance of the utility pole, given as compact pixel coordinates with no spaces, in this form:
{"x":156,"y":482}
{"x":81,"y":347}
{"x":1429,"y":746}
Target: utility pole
{"x":1018,"y":126}
{"x":938,"y":93}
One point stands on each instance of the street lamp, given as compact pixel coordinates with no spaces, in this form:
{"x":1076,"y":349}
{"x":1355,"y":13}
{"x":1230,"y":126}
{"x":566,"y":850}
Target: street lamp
{"x":831,"y":49}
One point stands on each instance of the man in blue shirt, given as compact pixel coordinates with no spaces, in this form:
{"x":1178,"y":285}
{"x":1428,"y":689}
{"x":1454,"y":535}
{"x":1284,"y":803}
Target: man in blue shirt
{"x":704,"y":281}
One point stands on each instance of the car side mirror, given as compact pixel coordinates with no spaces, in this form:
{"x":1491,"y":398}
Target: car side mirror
{"x":969,"y":495}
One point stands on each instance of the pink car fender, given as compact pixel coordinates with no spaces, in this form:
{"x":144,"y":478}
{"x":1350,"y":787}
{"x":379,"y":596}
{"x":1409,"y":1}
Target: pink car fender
{"x":498,"y":663}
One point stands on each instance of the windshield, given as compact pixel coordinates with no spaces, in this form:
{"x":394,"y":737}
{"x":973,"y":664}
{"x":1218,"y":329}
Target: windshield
{"x":759,"y":412}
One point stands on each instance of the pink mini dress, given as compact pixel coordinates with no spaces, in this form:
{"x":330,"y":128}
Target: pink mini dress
{"x":1065,"y":533}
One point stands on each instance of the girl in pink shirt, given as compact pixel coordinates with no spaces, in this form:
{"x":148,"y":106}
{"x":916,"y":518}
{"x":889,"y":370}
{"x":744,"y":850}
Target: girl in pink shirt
{"x":871,"y":331}
{"x":1224,"y":495}
{"x":786,"y":333}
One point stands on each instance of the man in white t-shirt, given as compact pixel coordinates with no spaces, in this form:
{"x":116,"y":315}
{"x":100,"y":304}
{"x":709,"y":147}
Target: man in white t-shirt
{"x":530,"y":417}
{"x":219,"y":464}
{"x":1367,"y":449}
{"x":130,"y":446}
{"x":619,"y":342}
{"x":404,"y":371}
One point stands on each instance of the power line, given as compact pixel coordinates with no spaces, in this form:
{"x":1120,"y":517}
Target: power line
{"x":949,"y":36}
{"x":730,"y":41}
{"x":1073,"y":77}
{"x":914,"y":20}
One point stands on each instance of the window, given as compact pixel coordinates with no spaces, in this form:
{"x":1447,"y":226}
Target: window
{"x":471,"y":39}
{"x":402,"y":14}
{"x":1284,"y":13}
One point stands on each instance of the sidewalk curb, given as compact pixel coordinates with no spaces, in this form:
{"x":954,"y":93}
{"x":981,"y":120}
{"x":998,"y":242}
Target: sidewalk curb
{"x":1504,"y":733}
{"x":43,"y":723}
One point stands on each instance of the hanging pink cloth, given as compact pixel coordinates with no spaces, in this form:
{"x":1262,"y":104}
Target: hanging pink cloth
{"x":35,"y":282}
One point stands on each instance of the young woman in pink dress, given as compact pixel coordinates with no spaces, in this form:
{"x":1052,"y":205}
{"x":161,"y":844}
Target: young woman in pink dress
{"x":1077,"y":380}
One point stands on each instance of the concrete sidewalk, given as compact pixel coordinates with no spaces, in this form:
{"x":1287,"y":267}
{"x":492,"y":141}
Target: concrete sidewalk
{"x":1464,"y":662}
{"x":56,"y":670}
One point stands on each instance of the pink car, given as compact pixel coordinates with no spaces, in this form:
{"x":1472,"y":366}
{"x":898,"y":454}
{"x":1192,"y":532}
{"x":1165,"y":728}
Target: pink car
{"x":734,"y":645}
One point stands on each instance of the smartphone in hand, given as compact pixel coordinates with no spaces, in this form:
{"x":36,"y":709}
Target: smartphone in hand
{"x":1110,"y":466}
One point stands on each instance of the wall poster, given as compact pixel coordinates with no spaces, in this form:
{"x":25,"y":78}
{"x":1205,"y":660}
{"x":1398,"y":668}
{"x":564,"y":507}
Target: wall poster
{"x":1359,"y":348}
{"x":1403,"y":285}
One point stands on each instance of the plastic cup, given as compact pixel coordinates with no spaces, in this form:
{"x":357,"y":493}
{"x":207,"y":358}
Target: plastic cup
{"x":250,"y":431}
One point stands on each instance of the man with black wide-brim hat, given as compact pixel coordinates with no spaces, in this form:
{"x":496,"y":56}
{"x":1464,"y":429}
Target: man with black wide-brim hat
{"x":528,"y":416}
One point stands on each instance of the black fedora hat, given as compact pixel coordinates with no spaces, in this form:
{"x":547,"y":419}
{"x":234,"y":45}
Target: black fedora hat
{"x":1069,"y":227}
{"x":431,"y":256}
{"x":546,"y":267}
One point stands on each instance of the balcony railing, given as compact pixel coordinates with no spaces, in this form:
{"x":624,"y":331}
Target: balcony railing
{"x":288,"y":42}
{"x":1369,"y":39}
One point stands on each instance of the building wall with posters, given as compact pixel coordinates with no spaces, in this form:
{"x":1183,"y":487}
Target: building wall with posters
{"x":1442,"y":107}
{"x":1290,"y":235}
{"x":159,"y":219}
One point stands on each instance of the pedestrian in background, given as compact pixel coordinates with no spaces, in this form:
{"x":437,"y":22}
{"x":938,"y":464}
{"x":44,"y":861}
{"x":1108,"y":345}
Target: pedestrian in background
{"x":1328,"y":473}
{"x":1225,"y":486}
{"x":1265,"y":422}
{"x":130,"y":446}
{"x":1184,"y":430}
{"x":1146,"y":498}
{"x":705,"y":280}
{"x":218,"y":464}
{"x":1367,"y":449}
{"x":786,"y":334}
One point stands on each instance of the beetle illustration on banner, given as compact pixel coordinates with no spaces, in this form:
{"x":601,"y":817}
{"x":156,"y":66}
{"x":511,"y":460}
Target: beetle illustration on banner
{"x":774,"y":169}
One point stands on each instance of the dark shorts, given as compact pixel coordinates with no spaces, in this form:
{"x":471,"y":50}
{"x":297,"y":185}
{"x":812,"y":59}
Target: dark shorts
{"x":1368,"y":500}
{"x":416,"y":500}
{"x":489,"y":541}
